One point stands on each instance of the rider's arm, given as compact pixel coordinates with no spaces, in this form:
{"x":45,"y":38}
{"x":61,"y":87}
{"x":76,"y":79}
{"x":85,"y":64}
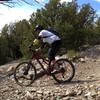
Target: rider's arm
{"x":43,"y":45}
{"x":39,"y":37}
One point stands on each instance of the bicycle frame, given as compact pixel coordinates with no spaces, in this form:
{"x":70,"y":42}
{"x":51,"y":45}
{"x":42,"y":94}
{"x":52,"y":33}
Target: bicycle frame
{"x":38,"y":57}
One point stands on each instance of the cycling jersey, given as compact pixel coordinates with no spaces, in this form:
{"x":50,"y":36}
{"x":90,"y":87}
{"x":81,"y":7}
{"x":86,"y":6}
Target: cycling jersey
{"x":48,"y":36}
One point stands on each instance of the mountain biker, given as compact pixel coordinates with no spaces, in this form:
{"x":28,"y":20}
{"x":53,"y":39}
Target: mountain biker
{"x":48,"y":37}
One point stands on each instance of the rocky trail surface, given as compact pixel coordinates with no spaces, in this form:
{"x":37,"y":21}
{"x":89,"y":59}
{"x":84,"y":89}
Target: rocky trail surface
{"x":84,"y":86}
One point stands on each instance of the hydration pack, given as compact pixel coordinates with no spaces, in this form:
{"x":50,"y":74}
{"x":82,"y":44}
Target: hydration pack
{"x":53,"y":31}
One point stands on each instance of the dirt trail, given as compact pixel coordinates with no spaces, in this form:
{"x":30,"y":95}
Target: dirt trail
{"x":84,"y":86}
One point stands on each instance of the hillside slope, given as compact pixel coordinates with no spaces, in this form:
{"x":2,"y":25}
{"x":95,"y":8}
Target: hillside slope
{"x":84,"y":86}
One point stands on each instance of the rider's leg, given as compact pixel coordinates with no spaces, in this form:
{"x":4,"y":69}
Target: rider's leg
{"x":53,"y":51}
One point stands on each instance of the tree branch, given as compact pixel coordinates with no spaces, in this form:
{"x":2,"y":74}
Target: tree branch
{"x":11,"y":3}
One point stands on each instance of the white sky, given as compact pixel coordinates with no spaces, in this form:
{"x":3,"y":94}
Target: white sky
{"x":8,"y":15}
{"x":97,"y":0}
{"x":66,"y":0}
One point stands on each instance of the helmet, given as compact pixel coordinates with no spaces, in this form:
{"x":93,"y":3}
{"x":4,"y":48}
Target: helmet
{"x":36,"y":42}
{"x":38,"y":27}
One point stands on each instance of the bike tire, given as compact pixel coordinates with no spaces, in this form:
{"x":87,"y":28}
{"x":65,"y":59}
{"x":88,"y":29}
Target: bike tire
{"x":19,"y":68}
{"x":57,"y":77}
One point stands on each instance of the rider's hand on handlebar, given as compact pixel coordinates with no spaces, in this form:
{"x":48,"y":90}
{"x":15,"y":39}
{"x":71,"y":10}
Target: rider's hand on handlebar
{"x":36,"y":42}
{"x":30,"y":46}
{"x":38,"y":49}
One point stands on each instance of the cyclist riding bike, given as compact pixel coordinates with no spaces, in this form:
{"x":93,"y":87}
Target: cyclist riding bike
{"x":49,"y":37}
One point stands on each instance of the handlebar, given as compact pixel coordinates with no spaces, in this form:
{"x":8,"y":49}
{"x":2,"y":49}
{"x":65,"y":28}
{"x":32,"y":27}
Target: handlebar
{"x":30,"y":48}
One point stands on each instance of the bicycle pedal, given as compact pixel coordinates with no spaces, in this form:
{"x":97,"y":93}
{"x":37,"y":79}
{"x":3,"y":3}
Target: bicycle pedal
{"x":49,"y":69}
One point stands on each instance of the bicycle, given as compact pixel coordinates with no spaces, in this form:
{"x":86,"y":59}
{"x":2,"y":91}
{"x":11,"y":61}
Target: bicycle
{"x":25,"y":72}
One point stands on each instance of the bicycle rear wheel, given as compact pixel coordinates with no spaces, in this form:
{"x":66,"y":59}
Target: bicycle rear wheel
{"x":25,"y":74}
{"x":67,"y":73}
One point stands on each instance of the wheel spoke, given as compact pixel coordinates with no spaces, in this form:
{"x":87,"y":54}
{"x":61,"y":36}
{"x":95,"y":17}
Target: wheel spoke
{"x":67,"y":74}
{"x":24,"y":74}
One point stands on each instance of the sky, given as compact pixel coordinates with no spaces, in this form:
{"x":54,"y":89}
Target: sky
{"x":19,"y":12}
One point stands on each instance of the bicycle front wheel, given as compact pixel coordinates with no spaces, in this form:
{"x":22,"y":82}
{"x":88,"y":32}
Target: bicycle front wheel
{"x":25,"y":74}
{"x":67,"y":71}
